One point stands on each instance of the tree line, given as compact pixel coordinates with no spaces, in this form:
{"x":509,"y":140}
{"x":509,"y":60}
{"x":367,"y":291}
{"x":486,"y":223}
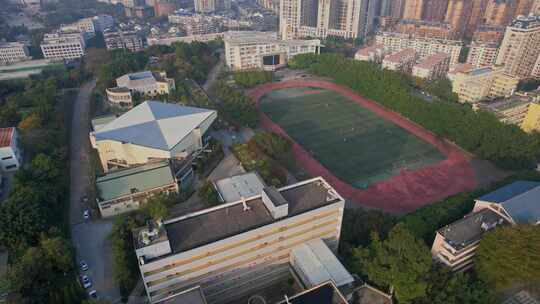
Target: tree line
{"x":33,"y":221}
{"x":476,"y":131}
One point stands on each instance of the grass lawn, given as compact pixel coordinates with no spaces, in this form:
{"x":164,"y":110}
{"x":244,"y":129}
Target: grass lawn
{"x":354,"y":143}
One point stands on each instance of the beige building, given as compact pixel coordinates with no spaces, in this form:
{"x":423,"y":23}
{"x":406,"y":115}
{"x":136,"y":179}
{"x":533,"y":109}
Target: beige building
{"x":400,"y":61}
{"x":373,"y":53}
{"x":482,"y":54}
{"x":263,"y":50}
{"x":521,"y":109}
{"x":516,"y":203}
{"x":63,"y":46}
{"x":128,"y":189}
{"x":432,"y":67}
{"x":12,"y":52}
{"x":413,"y":9}
{"x":520,"y":48}
{"x":146,"y":83}
{"x":458,"y":13}
{"x":483,"y":83}
{"x":393,"y":42}
{"x":152,"y":131}
{"x":235,"y":248}
{"x":347,"y":18}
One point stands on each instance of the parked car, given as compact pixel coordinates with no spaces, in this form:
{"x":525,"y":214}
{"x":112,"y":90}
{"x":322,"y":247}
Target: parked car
{"x":86,"y":214}
{"x":86,"y":281}
{"x":93,"y":294}
{"x":84,"y":266}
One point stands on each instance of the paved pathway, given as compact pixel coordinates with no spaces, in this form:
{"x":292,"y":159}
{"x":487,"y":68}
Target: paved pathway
{"x":90,"y":238}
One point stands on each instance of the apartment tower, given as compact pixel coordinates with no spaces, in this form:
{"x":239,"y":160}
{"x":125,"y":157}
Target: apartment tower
{"x":413,"y":9}
{"x":435,"y":10}
{"x":520,"y":48}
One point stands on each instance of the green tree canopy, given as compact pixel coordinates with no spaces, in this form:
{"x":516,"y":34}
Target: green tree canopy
{"x":509,"y":256}
{"x":273,"y":145}
{"x":401,"y":261}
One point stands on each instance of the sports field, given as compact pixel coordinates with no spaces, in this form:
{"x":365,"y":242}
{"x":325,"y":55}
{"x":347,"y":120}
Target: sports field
{"x":355,"y":144}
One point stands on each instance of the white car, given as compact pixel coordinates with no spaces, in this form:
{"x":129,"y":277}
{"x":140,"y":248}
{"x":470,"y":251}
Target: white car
{"x":86,"y":281}
{"x":84,"y":266}
{"x":86,"y":214}
{"x":92,"y":294}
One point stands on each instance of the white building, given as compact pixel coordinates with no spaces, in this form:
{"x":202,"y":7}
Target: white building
{"x":11,"y":52}
{"x":63,"y":46}
{"x":373,"y":53}
{"x":263,"y":50}
{"x":10,"y":153}
{"x":103,"y":22}
{"x":151,"y":131}
{"x":402,"y":60}
{"x":128,"y":40}
{"x":393,"y":42}
{"x":432,"y":67}
{"x":235,"y":248}
{"x":146,"y":83}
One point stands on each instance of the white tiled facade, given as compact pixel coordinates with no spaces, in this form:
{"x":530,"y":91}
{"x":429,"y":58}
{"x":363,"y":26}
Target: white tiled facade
{"x":12,"y":52}
{"x":63,"y":46}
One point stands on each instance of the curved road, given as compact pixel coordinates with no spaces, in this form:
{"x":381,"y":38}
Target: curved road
{"x":90,"y":238}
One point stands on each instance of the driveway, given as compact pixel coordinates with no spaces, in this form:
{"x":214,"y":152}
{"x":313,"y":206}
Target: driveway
{"x":90,"y":238}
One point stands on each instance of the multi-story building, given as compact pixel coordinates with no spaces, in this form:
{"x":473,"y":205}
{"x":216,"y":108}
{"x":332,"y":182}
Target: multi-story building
{"x":427,"y":29}
{"x":129,"y":40}
{"x":11,"y":52}
{"x":347,"y":19}
{"x":482,"y":54}
{"x":499,"y":12}
{"x":272,"y":5}
{"x":413,"y":9}
{"x":231,"y":249}
{"x":195,"y":24}
{"x":402,"y":60}
{"x":128,"y":189}
{"x":145,"y":83}
{"x":458,"y":14}
{"x":165,"y":7}
{"x":10,"y":150}
{"x":475,"y":19}
{"x":169,"y":40}
{"x":483,"y":83}
{"x":520,"y":48}
{"x":435,"y":10}
{"x":63,"y":46}
{"x":432,"y":67}
{"x":521,"y":109}
{"x":373,"y":53}
{"x":393,"y":42}
{"x":103,"y":22}
{"x":151,"y":131}
{"x":263,"y":50}
{"x":516,"y":203}
{"x":396,"y":8}
{"x":535,"y":9}
{"x":488,"y":34}
{"x":209,"y":6}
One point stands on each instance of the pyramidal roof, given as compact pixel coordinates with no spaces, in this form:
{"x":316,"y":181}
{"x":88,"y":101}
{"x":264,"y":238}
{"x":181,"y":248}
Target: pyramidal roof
{"x":154,"y":124}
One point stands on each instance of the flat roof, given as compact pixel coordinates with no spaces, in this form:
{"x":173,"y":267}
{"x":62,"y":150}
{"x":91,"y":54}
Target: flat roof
{"x":399,"y":55}
{"x":367,"y":294}
{"x":326,"y":293}
{"x":470,"y":229}
{"x":214,"y":224}
{"x":193,"y":295}
{"x":132,"y":180}
{"x":234,"y":188}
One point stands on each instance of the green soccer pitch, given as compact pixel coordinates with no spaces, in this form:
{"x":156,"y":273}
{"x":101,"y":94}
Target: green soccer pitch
{"x":352,"y":142}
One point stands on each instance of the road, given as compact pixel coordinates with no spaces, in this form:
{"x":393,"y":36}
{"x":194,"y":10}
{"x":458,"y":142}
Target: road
{"x":90,"y":238}
{"x":214,"y":72}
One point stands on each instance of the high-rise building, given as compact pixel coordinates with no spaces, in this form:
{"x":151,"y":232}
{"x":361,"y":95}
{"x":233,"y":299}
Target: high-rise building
{"x":314,"y":18}
{"x":535,"y":10}
{"x":499,"y":12}
{"x":477,"y":14}
{"x":209,"y":6}
{"x":520,"y":47}
{"x":482,"y":54}
{"x":413,"y":9}
{"x":435,"y":10}
{"x":523,"y":7}
{"x":396,"y":8}
{"x":458,"y":14}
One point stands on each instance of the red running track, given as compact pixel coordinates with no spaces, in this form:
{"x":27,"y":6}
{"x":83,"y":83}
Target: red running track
{"x":402,"y":193}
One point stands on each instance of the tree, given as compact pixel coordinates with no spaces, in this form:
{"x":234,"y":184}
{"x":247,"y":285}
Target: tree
{"x":273,"y":145}
{"x":158,"y":206}
{"x":208,"y":194}
{"x":401,"y":261}
{"x":125,"y":262}
{"x":248,"y":79}
{"x":509,"y":256}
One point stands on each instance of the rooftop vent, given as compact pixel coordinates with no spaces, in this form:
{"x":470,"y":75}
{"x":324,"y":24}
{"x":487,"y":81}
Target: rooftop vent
{"x":275,"y":202}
